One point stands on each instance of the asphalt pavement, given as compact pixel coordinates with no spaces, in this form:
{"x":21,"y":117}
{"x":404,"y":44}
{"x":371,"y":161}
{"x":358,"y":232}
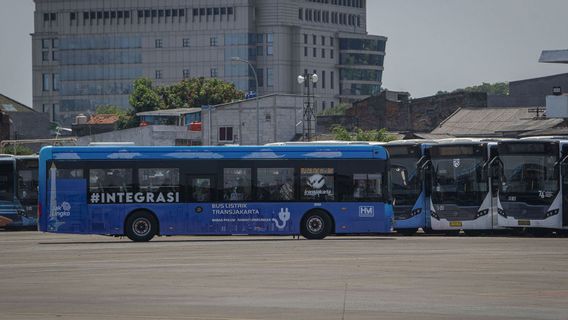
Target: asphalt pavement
{"x":55,"y":276}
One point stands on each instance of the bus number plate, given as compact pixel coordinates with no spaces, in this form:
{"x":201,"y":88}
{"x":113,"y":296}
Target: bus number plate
{"x":524,"y":222}
{"x":455,"y":224}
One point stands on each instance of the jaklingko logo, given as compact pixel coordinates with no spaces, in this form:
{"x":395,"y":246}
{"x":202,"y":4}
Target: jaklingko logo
{"x":63,"y":210}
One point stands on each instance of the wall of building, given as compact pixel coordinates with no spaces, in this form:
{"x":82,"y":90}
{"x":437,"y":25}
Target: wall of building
{"x":416,"y":115}
{"x":146,"y":136}
{"x":529,"y":92}
{"x":280,"y":120}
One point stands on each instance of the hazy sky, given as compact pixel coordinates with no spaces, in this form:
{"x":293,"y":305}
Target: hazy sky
{"x":433,"y":44}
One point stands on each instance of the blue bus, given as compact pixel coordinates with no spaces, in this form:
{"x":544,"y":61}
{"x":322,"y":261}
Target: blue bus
{"x":142,"y":192}
{"x":18,"y":191}
{"x":410,"y":178}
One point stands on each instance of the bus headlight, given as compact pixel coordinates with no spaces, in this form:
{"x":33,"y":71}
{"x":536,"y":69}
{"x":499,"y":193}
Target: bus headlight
{"x":482,"y":213}
{"x":552,"y":213}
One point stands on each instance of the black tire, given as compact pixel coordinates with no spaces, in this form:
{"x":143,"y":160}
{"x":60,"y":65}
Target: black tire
{"x":315,"y":225}
{"x":141,"y":226}
{"x":407,"y":232}
{"x":452,"y":233}
{"x":473,"y":233}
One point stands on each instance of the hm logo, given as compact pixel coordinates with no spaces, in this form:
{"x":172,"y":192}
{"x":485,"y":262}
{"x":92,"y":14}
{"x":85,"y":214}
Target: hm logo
{"x":366,"y":212}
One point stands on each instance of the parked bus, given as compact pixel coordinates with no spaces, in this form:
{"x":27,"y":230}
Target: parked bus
{"x":18,"y":191}
{"x":465,"y":186}
{"x":534,"y":187}
{"x":142,"y":192}
{"x":410,"y":174}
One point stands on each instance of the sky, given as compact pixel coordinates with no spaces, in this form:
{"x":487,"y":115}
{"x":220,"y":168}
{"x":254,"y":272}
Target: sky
{"x":432,"y":45}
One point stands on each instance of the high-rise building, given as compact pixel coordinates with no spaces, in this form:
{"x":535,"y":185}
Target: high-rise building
{"x":87,"y":53}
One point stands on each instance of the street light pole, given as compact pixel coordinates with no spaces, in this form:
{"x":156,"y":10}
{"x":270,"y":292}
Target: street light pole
{"x":308,"y":79}
{"x":237,"y":59}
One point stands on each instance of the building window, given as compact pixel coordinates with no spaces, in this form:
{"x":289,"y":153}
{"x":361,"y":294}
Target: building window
{"x":270,"y":37}
{"x":56,"y":82}
{"x":214,"y":73}
{"x":55,"y":55}
{"x":315,"y":52}
{"x":269,"y":50}
{"x":331,"y":54}
{"x":185,"y":73}
{"x":305,"y":39}
{"x":331,"y":41}
{"x":54,"y":107}
{"x":322,"y":40}
{"x":213,"y":41}
{"x":332,"y":80}
{"x":158,"y":43}
{"x":45,"y":56}
{"x":45,"y":81}
{"x":301,"y":14}
{"x":185,"y":43}
{"x":55,"y":43}
{"x":314,"y":39}
{"x":45,"y":43}
{"x":323,"y":53}
{"x":315,"y":83}
{"x":323,"y":105}
{"x":323,"y":79}
{"x":305,"y":51}
{"x":260,"y":76}
{"x":269,"y":77}
{"x":225,"y":134}
{"x":158,"y":74}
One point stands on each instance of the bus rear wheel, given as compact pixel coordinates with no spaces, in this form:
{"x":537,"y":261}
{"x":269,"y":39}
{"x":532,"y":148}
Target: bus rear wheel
{"x":315,"y":225}
{"x":141,"y":226}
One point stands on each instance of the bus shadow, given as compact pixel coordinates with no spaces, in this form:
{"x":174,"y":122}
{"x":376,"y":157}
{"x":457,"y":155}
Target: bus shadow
{"x":123,"y":241}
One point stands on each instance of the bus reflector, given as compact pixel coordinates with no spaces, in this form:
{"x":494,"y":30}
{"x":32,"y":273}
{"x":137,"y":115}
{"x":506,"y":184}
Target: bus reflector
{"x":524,"y":222}
{"x":455,"y":223}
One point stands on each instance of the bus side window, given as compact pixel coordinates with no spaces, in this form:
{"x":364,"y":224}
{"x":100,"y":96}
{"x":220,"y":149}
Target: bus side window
{"x":110,"y":180}
{"x":275,"y":184}
{"x":159,"y":179}
{"x":237,"y":184}
{"x":202,"y":189}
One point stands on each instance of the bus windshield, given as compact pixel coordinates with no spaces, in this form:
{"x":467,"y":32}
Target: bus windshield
{"x":406,"y":182}
{"x":529,"y":178}
{"x":6,"y":181}
{"x":459,"y":181}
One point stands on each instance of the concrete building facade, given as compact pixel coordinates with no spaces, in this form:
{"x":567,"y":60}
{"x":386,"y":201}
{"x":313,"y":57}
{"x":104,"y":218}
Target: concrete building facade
{"x":87,"y":53}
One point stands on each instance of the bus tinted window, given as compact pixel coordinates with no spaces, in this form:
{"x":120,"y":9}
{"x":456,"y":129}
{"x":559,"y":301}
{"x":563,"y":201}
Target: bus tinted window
{"x":275,"y":184}
{"x":202,"y":189}
{"x":27,"y":185}
{"x":110,"y":180}
{"x":69,"y":174}
{"x":237,"y":184}
{"x":6,"y":181}
{"x":159,"y":179}
{"x":367,"y":186}
{"x":317,"y":184}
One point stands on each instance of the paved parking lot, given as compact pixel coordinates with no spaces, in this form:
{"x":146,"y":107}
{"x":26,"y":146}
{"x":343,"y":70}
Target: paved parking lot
{"x":47,"y":276}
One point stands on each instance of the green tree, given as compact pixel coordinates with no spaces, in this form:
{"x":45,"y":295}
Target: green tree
{"x":342,"y":134}
{"x":498,"y":88}
{"x":17,"y":150}
{"x":144,"y":97}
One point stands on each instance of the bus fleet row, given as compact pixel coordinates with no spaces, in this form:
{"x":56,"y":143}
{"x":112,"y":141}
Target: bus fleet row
{"x":314,"y":189}
{"x":478,"y":185}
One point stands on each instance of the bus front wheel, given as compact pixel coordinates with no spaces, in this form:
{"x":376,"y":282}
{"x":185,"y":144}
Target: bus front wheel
{"x":141,"y":226}
{"x":316,"y":225}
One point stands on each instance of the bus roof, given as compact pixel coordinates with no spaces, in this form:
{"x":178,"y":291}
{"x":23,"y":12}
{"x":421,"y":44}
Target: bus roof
{"x":224,"y":152}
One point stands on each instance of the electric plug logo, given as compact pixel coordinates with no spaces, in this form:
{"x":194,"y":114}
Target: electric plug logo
{"x":284,"y":216}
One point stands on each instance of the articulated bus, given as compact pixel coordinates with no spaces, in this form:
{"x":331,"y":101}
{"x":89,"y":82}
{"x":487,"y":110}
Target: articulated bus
{"x":410,"y":160}
{"x":18,"y":191}
{"x":534,"y":184}
{"x":142,"y":192}
{"x":465,"y":186}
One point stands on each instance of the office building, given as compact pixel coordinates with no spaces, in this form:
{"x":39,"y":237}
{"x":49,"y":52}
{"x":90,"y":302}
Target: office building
{"x":87,"y":53}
